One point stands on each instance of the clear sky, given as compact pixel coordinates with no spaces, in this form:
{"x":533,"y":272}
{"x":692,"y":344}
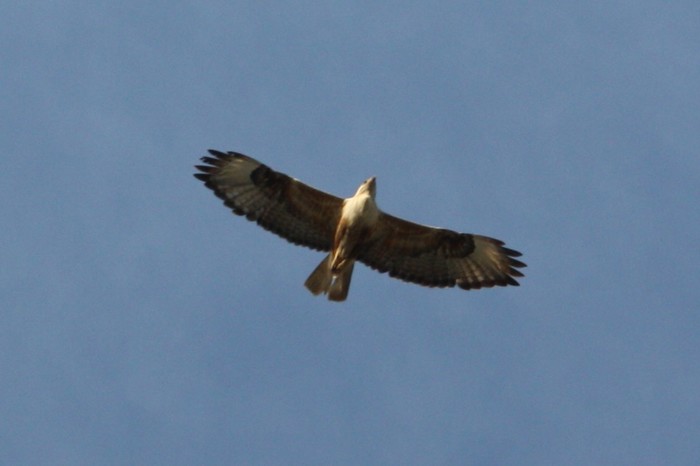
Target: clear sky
{"x":143,"y":323}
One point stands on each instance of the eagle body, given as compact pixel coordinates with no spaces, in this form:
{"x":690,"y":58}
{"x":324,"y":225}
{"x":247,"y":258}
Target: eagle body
{"x":358,"y":217}
{"x":355,"y":229}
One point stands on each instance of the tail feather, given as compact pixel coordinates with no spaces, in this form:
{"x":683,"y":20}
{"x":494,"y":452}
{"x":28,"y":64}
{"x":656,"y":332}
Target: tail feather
{"x":323,"y":280}
{"x":320,"y":279}
{"x":340,"y":287}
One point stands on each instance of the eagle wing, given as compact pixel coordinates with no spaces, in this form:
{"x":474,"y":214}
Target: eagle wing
{"x":279,"y":203}
{"x":438,"y":257}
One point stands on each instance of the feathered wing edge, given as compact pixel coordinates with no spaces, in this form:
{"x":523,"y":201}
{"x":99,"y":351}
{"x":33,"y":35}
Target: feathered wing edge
{"x":283,"y":205}
{"x":438,"y":257}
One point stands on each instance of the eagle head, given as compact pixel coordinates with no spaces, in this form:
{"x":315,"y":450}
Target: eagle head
{"x":368,"y":186}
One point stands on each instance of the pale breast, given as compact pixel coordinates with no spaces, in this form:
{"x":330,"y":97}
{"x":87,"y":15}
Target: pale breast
{"x":360,"y":210}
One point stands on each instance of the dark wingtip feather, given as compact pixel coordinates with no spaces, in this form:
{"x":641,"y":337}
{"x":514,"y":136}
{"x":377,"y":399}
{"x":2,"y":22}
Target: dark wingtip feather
{"x":512,"y":281}
{"x":212,"y":164}
{"x":211,"y":161}
{"x":205,"y":168}
{"x":515,"y":273}
{"x":513,"y":265}
{"x":516,"y":263}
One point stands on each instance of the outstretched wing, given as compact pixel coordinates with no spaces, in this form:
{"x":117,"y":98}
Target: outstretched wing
{"x":438,"y":257}
{"x":283,"y":205}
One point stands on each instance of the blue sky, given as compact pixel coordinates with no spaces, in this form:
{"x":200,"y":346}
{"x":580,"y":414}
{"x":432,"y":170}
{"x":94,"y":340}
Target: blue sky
{"x":144,"y":324}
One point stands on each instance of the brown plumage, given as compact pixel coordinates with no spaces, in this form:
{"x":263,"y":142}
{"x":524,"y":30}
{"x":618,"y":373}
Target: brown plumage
{"x":354,"y":229}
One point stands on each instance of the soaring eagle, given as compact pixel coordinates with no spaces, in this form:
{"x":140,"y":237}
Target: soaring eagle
{"x":354,"y":229}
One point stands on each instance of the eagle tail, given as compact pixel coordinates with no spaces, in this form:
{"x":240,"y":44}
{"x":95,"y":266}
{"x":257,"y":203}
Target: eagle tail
{"x":322,"y":280}
{"x":340,"y":287}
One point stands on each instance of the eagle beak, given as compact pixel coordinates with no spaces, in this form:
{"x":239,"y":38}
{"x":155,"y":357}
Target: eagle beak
{"x":372,"y":185}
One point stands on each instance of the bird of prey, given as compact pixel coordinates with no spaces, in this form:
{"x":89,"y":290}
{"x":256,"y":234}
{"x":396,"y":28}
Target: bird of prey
{"x":354,"y":229}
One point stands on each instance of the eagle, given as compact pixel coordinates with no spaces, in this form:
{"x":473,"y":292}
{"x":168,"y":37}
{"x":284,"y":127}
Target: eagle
{"x":355,"y":229}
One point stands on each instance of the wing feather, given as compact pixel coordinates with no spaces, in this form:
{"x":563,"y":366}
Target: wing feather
{"x":283,"y":205}
{"x":438,"y":257}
